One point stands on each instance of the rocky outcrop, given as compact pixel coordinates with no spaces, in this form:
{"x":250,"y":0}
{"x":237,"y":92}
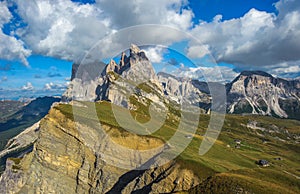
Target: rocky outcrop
{"x":195,"y":91}
{"x":258,"y":92}
{"x":113,"y":83}
{"x":22,"y":141}
{"x":111,"y":67}
{"x":67,"y":158}
{"x":253,"y":92}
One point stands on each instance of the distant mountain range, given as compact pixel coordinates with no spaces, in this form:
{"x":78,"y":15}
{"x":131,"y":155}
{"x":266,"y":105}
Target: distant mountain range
{"x":252,"y":92}
{"x":258,"y":92}
{"x":17,"y":116}
{"x":35,"y":110}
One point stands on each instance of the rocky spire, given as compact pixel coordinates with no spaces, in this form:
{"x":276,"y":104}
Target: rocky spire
{"x":123,"y":60}
{"x":134,"y":49}
{"x":111,"y":66}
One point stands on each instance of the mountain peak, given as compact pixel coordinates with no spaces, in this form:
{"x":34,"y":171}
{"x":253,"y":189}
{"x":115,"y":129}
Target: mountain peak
{"x":111,"y":66}
{"x":250,"y":73}
{"x":134,"y":49}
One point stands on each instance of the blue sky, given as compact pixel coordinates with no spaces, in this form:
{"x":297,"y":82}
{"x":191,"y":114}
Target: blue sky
{"x":39,"y":40}
{"x":207,"y":9}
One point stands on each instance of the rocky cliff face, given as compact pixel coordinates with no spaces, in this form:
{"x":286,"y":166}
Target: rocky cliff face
{"x":175,"y":88}
{"x":257,"y":92}
{"x":67,"y":158}
{"x":97,"y":81}
{"x":134,"y":75}
{"x":252,"y":92}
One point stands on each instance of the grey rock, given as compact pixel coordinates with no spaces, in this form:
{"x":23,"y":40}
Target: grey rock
{"x":257,"y":92}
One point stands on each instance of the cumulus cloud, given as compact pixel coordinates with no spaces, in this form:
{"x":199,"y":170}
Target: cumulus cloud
{"x":55,"y":86}
{"x":61,"y":28}
{"x":286,"y":70}
{"x":155,"y":54}
{"x":198,"y":51}
{"x":28,"y":86}
{"x":5,"y":14}
{"x":66,"y":29}
{"x":129,"y":13}
{"x":258,"y":38}
{"x":211,"y":74}
{"x":287,"y":6}
{"x":10,"y":47}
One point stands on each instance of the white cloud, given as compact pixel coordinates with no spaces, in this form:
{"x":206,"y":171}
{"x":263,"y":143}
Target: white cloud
{"x":215,"y":74}
{"x":155,"y":54}
{"x":198,"y":51}
{"x":61,"y":28}
{"x":287,"y":6}
{"x":286,"y":70}
{"x":10,"y":47}
{"x":28,"y":86}
{"x":256,"y":39}
{"x":65,"y":29}
{"x":56,"y":86}
{"x":5,"y":14}
{"x":129,"y":13}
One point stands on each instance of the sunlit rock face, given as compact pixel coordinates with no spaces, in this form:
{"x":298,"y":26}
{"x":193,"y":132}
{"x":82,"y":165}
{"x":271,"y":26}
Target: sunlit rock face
{"x":91,"y":83}
{"x":257,"y":92}
{"x":252,"y":92}
{"x":67,"y":158}
{"x":134,"y":75}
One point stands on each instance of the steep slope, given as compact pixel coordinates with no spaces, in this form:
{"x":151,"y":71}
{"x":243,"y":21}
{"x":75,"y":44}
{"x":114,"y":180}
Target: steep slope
{"x":133,"y":77}
{"x":24,"y":117}
{"x":16,"y":133}
{"x":257,"y":92}
{"x":98,"y":81}
{"x":67,"y":159}
{"x":8,"y":108}
{"x":252,"y":92}
{"x":196,"y":92}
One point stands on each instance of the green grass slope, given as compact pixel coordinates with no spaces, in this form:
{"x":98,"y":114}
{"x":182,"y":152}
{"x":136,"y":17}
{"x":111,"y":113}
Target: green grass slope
{"x":224,"y":168}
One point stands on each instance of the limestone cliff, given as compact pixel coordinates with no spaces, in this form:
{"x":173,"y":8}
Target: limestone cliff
{"x":258,"y":92}
{"x":66,"y":158}
{"x":98,"y":81}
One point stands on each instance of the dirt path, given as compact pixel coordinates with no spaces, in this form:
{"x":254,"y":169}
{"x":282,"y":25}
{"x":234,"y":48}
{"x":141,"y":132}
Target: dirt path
{"x":297,"y":177}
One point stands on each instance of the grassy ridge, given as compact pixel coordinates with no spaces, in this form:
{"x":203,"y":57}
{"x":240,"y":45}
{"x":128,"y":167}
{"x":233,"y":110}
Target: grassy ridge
{"x":225,"y":168}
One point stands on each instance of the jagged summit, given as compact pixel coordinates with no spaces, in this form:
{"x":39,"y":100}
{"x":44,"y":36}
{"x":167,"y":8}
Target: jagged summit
{"x":112,"y":66}
{"x":135,"y":55}
{"x":253,"y":92}
{"x":134,"y":49}
{"x":135,"y":68}
{"x":257,"y":92}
